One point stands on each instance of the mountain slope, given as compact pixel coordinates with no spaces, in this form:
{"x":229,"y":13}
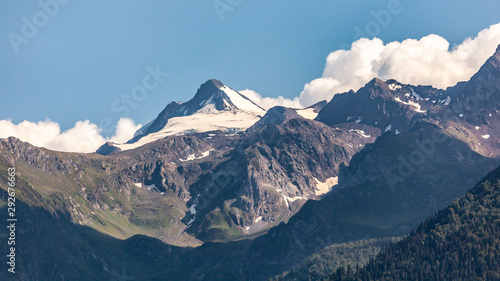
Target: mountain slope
{"x":118,"y":195}
{"x":475,"y":112}
{"x":268,"y":176}
{"x":374,"y":199}
{"x":320,"y":265}
{"x":460,"y":242}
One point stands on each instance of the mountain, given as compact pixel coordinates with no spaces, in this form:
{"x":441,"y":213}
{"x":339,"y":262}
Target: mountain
{"x":268,"y":176}
{"x":279,"y":115}
{"x":481,"y":93}
{"x":474,"y":115}
{"x":218,"y":189}
{"x":430,"y":153}
{"x":386,"y":105}
{"x":460,"y":242}
{"x":383,"y":192}
{"x":214,"y":107}
{"x":468,"y":110}
{"x":274,"y":170}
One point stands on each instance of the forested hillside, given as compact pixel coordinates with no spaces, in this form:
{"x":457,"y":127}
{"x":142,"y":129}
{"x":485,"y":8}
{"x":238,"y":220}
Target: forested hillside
{"x":460,"y":242}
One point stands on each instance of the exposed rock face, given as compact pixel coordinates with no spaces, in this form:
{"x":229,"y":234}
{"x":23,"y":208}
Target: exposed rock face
{"x":276,"y":116}
{"x":318,"y":106}
{"x":269,"y":175}
{"x":107,"y":149}
{"x":387,"y":189}
{"x":474,"y":113}
{"x":387,"y":105}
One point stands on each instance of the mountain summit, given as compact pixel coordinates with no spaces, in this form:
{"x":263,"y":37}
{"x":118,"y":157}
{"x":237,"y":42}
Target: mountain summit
{"x":213,"y":92}
{"x":215,"y":107}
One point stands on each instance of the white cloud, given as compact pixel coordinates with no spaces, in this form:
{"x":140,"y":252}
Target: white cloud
{"x":267,"y":103}
{"x":83,"y":137}
{"x":427,"y":61}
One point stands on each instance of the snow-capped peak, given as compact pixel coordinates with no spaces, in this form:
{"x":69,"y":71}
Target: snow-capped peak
{"x":215,"y":106}
{"x":241,"y":101}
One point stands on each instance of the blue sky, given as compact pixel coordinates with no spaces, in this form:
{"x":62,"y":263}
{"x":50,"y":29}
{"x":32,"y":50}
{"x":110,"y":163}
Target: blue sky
{"x":91,"y":53}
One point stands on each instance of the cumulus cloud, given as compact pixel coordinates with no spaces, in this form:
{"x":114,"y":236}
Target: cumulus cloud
{"x":426,"y":61}
{"x":267,"y":103}
{"x":83,"y":137}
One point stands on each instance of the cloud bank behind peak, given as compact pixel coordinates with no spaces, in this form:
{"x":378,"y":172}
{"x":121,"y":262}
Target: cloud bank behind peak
{"x":425,"y":61}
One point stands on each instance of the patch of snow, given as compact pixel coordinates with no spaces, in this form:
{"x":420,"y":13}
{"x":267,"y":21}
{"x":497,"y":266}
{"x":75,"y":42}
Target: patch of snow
{"x":153,"y":186}
{"x":388,"y":128}
{"x":198,"y":123}
{"x":477,"y":127}
{"x":394,"y":86}
{"x":208,"y":109}
{"x":397,"y":132}
{"x":143,"y":129}
{"x":247,"y":228}
{"x":413,"y":105}
{"x":324,"y":187}
{"x":359,"y":120}
{"x":350,"y":117}
{"x":292,"y":199}
{"x":307,"y":113}
{"x":361,"y":132}
{"x":205,"y":102}
{"x":417,"y":96}
{"x":257,"y":219}
{"x":485,"y":136}
{"x":138,"y":184}
{"x":192,"y":157}
{"x":461,"y":115}
{"x":240,"y":101}
{"x":286,"y":201}
{"x":448,"y":100}
{"x":192,"y":210}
